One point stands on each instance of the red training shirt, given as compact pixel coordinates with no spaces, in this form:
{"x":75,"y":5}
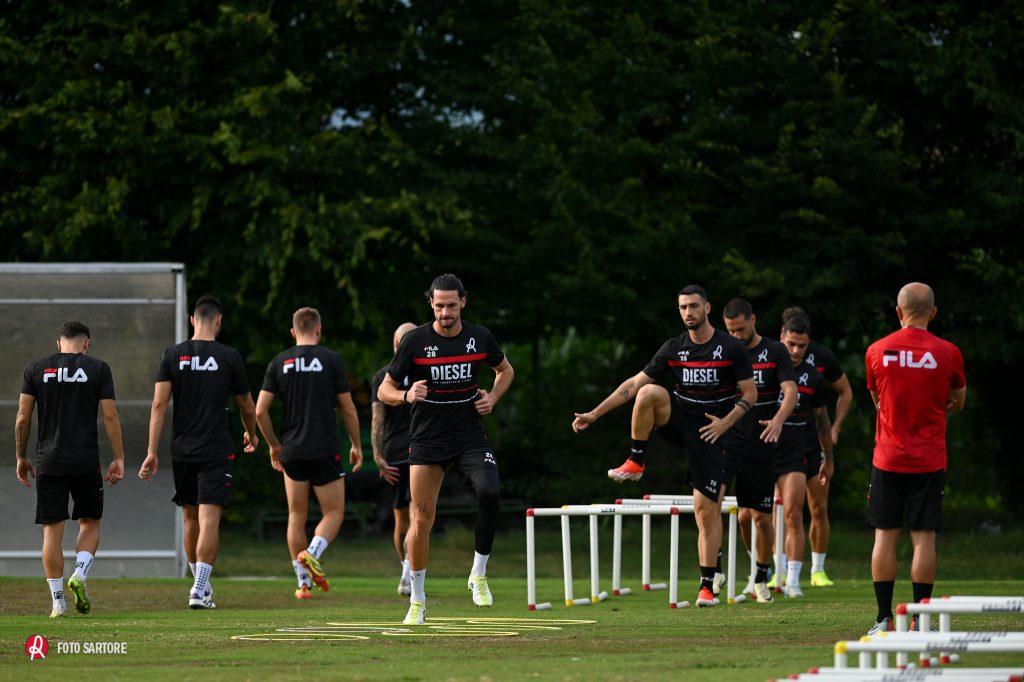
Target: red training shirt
{"x":913,"y":372}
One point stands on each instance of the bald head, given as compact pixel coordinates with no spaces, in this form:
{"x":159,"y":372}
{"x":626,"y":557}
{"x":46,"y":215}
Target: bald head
{"x":915,"y":304}
{"x":402,"y":330}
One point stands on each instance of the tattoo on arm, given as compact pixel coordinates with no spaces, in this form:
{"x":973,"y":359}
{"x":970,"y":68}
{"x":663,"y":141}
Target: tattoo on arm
{"x":377,"y":429}
{"x":824,"y":426}
{"x":21,"y":434}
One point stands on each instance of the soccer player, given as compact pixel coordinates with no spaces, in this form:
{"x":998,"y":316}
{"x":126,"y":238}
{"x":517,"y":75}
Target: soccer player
{"x":750,"y":445}
{"x":200,"y":375}
{"x":915,"y":379}
{"x":798,"y":445}
{"x":710,"y":368}
{"x":442,"y":361}
{"x":311,"y":381}
{"x":825,"y":361}
{"x":389,"y":435}
{"x":70,"y":388}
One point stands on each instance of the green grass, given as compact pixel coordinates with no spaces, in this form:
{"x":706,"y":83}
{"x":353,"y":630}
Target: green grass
{"x":633,"y":638}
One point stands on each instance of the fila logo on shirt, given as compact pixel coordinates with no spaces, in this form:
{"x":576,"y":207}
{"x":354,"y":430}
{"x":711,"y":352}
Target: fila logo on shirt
{"x":684,"y":355}
{"x":196,"y":363}
{"x":300,"y":365}
{"x":63,"y":376}
{"x":906,"y":359}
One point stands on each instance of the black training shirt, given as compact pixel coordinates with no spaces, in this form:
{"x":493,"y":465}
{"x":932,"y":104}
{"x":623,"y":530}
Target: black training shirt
{"x":771,"y":365}
{"x":801,"y":426}
{"x":396,"y":420}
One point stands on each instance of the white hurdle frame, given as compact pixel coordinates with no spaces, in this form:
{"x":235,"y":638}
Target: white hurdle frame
{"x":593,"y":512}
{"x":945,"y":608}
{"x":911,"y":675}
{"x":729,"y":507}
{"x":924,"y":643}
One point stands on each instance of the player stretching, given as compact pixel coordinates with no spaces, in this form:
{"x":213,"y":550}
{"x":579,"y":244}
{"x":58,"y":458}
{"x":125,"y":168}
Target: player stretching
{"x":442,"y":359}
{"x":915,"y":379}
{"x":311,"y":380}
{"x":389,"y":435}
{"x":751,"y":445}
{"x":200,"y":374}
{"x":70,"y":388}
{"x":710,"y":368}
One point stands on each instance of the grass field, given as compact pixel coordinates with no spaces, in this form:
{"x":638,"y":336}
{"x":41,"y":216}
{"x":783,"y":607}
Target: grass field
{"x":629,"y":638}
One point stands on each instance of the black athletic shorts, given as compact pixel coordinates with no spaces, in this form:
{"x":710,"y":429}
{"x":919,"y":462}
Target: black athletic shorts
{"x":790,"y":454}
{"x":705,"y":462}
{"x":914,"y":499}
{"x":320,"y":471}
{"x":750,"y":465}
{"x":86,"y":490}
{"x":468,"y":459}
{"x":815,"y":458}
{"x":203,"y":482}
{"x":401,"y":486}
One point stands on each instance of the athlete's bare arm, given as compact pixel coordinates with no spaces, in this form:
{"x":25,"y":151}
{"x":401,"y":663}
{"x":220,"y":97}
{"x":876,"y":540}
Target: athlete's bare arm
{"x":503,"y":375}
{"x":351,"y":421}
{"x":843,"y":403}
{"x":957,"y":399}
{"x":626,"y":391}
{"x":392,"y":393}
{"x":717,"y":426}
{"x":874,"y":398}
{"x":112,"y":425}
{"x":22,"y":431}
{"x":250,"y":440}
{"x":263,"y":403}
{"x":773,"y":426}
{"x":377,"y":417}
{"x":157,"y":415}
{"x":824,"y":427}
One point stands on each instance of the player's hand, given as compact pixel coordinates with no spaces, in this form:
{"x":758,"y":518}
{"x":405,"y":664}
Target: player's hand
{"x":115,"y":472}
{"x":826,"y":471}
{"x":355,"y":458}
{"x":417,"y":392}
{"x":25,"y":468}
{"x":275,"y":458}
{"x":249,"y":445}
{"x":714,"y":430}
{"x":149,"y":466}
{"x":483,"y":402}
{"x":387,"y":472}
{"x":582,"y":421}
{"x":772,"y":430}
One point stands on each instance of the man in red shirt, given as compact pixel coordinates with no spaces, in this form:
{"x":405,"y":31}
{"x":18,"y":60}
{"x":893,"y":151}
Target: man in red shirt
{"x":915,"y":379}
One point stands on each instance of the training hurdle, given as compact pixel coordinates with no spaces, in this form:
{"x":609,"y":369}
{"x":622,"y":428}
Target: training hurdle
{"x":594,"y":512}
{"x":945,"y":608}
{"x":910,"y":674}
{"x":684,"y":502}
{"x":924,"y":643}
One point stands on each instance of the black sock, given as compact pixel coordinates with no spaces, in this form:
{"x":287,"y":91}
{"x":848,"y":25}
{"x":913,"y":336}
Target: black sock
{"x":718,"y":563}
{"x":922,"y":591}
{"x":707,"y":577}
{"x":762,"y":573}
{"x":637,"y":450}
{"x":883,"y":595}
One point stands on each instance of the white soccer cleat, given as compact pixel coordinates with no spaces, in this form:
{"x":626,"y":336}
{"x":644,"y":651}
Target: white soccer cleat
{"x":792,"y":591}
{"x":201,"y":601}
{"x":884,"y":625}
{"x":718,"y":583}
{"x":481,"y":590}
{"x":417,"y":613}
{"x":763,"y":594}
{"x":60,"y":609}
{"x":404,"y":588}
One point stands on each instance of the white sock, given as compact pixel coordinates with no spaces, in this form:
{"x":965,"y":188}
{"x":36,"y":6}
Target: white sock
{"x":418,"y":580}
{"x":301,"y":573}
{"x":202,"y":582}
{"x":405,"y":571}
{"x":83,"y":562}
{"x":781,"y":568}
{"x":192,"y":567}
{"x":56,"y":589}
{"x":793,"y":573}
{"x":479,"y":564}
{"x":317,"y":547}
{"x":818,"y":561}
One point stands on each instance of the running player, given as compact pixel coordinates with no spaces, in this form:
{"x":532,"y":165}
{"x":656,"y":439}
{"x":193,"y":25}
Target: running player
{"x":915,"y":379}
{"x":825,"y":361}
{"x":710,"y":368}
{"x":389,"y":435}
{"x":798,"y":445}
{"x":70,"y":388}
{"x":200,"y":375}
{"x":750,"y":445}
{"x":311,"y":381}
{"x":442,"y":360}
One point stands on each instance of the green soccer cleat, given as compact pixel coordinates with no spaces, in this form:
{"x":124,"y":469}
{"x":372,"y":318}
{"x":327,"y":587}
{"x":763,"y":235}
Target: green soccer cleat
{"x":773,"y":583}
{"x":820,"y":579}
{"x":79,"y":593}
{"x":481,"y":590}
{"x":316,"y":571}
{"x":59,"y":610}
{"x":417,"y":613}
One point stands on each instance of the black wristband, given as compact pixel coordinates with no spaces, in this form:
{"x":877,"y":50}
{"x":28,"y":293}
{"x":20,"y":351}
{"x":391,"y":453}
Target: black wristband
{"x":405,"y":398}
{"x":743,"y":404}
